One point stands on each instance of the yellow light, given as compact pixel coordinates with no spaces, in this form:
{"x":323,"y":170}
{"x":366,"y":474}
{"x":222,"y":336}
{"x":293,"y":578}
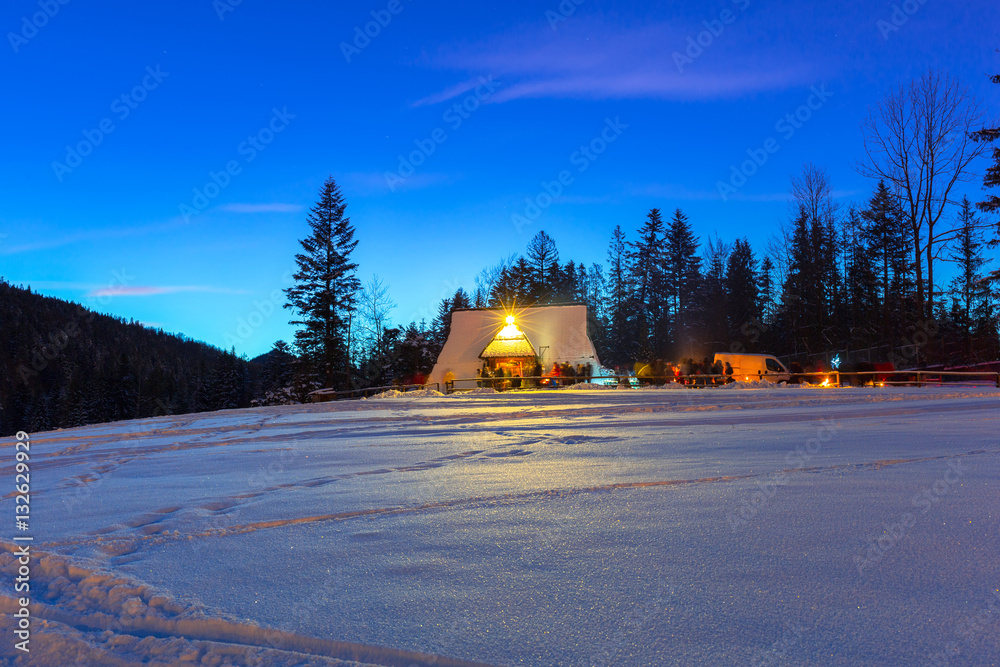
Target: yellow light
{"x":510,"y":319}
{"x":826,"y":383}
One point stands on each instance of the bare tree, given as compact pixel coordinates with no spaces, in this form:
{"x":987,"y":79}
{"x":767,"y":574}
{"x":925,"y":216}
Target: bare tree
{"x":813,"y":192}
{"x":487,"y":280}
{"x":374,"y":306}
{"x":778,"y":248}
{"x":920,"y":141}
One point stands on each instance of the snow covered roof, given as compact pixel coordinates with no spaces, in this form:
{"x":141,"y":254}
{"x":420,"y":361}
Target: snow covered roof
{"x":555,"y":333}
{"x":509,"y":342}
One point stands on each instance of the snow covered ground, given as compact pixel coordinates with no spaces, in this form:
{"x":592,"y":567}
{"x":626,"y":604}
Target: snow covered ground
{"x":761,"y":526}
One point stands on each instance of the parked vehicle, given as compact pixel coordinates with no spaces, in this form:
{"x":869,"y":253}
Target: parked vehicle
{"x":750,"y":367}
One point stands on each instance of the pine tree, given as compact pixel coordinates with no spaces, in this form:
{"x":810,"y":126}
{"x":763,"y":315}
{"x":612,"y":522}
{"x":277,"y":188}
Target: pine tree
{"x":887,"y":236}
{"x":543,"y":260}
{"x":742,"y":295}
{"x":682,"y":272}
{"x":712,"y":297}
{"x":325,"y":288}
{"x":767,"y":293}
{"x":440,"y":326}
{"x":992,"y":177}
{"x":969,"y":291}
{"x":512,"y":286}
{"x":795,"y":321}
{"x":645,"y":258}
{"x":863,"y":307}
{"x":416,"y":353}
{"x":277,"y":372}
{"x":619,"y":299}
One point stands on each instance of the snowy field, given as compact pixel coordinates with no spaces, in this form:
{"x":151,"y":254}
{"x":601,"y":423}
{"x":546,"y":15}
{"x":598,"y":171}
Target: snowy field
{"x":737,"y":526}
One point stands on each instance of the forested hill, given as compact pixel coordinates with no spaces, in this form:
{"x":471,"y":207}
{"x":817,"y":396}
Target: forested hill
{"x":64,"y":365}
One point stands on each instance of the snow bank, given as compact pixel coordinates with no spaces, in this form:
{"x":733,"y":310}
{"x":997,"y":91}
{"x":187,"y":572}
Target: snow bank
{"x":394,"y":393}
{"x":86,"y":617}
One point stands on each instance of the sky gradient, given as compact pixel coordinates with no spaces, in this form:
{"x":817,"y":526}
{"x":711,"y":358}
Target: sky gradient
{"x":160,"y":160}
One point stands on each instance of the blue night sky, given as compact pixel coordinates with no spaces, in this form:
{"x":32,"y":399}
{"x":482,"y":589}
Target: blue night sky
{"x":502,"y":98}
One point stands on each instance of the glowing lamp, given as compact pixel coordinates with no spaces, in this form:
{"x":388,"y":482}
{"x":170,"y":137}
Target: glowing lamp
{"x":510,"y":319}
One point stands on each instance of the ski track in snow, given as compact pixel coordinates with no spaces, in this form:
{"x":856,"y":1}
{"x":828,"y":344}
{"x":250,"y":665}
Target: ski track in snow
{"x":108,"y":500}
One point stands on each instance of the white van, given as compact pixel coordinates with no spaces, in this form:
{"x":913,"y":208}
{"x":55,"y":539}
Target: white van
{"x":750,"y":367}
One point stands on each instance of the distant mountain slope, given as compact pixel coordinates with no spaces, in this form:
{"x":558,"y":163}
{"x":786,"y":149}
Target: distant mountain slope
{"x":65,"y":365}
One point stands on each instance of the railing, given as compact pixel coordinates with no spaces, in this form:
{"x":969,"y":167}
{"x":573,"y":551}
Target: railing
{"x":827,"y":378}
{"x":322,"y":396}
{"x":920,"y":378}
{"x":549,"y":382}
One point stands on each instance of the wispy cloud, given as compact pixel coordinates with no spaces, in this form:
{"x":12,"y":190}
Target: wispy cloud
{"x":683,"y":193}
{"x":670,"y":191}
{"x":590,"y":60}
{"x":372,"y":183}
{"x":147,"y":290}
{"x":261,"y":208}
{"x":447,"y":93}
{"x":51,"y":241}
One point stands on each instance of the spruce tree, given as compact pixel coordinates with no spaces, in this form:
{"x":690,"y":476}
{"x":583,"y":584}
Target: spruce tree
{"x":862,"y":308}
{"x":325,"y":288}
{"x":992,"y":178}
{"x":619,"y":299}
{"x":886,"y":235}
{"x":795,"y":322}
{"x":682,"y":271}
{"x":543,"y":260}
{"x":767,"y":295}
{"x":742,"y":294}
{"x":712,"y":299}
{"x":440,"y":326}
{"x":969,"y":292}
{"x":646,"y":267}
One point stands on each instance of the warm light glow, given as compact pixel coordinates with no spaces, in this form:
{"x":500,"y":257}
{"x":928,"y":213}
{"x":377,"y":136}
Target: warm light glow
{"x":509,"y":332}
{"x":510,"y":319}
{"x":825,"y":383}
